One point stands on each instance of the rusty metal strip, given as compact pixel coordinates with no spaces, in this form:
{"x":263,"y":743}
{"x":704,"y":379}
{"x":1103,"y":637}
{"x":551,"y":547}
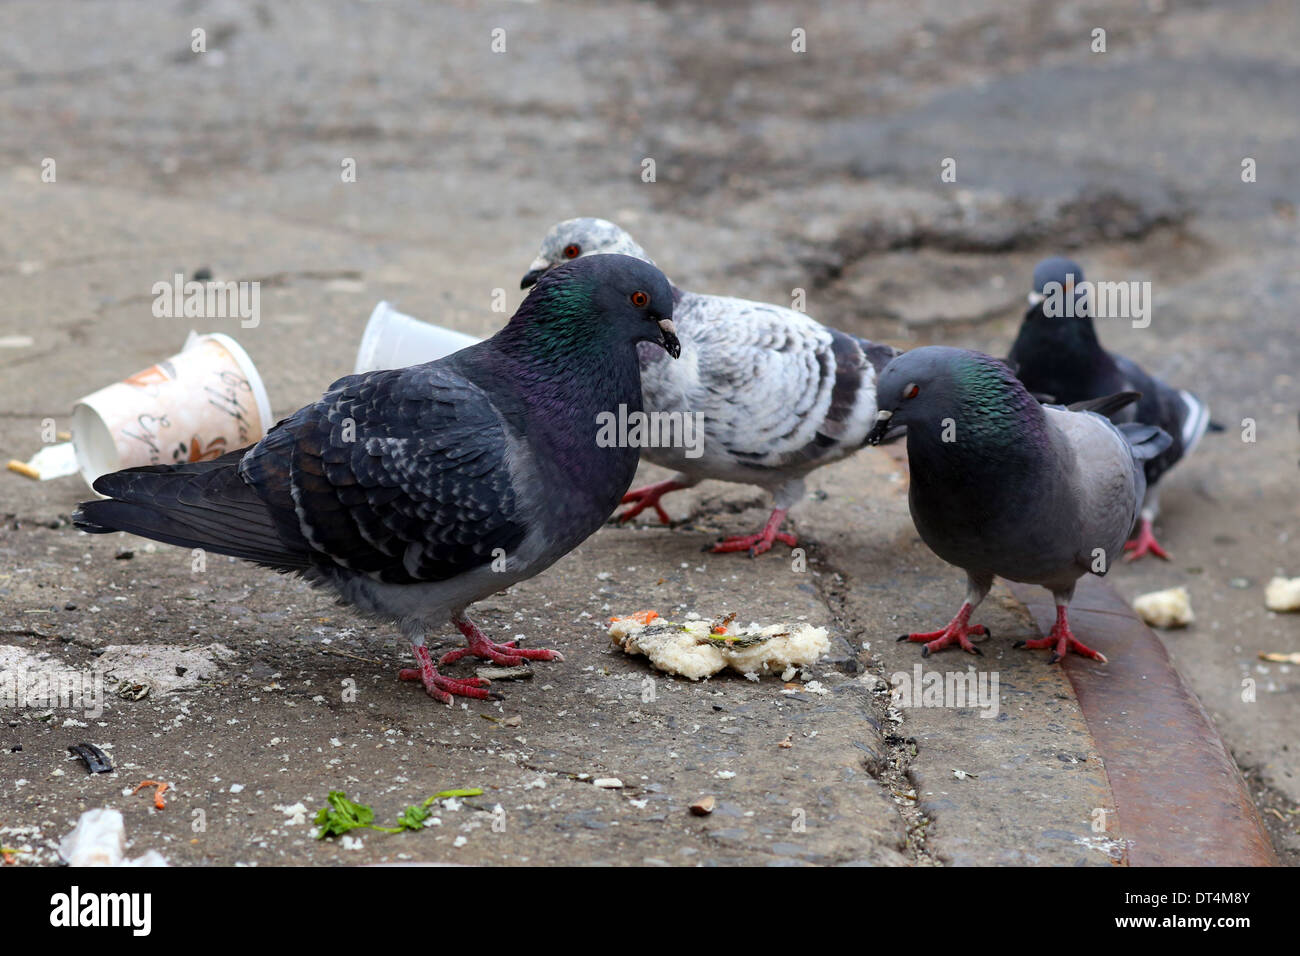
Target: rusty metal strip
{"x":1179,"y":796}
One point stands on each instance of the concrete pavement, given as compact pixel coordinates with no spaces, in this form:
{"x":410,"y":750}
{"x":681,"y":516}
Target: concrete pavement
{"x":774,"y":172}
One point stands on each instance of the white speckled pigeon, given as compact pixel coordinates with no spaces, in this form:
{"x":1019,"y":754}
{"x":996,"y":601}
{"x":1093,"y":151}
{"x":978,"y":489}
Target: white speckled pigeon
{"x":780,"y":394}
{"x":1060,"y":355}
{"x":415,"y":492}
{"x":1001,"y":485}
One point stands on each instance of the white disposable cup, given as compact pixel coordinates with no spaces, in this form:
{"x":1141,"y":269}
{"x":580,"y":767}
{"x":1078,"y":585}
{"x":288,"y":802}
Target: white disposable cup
{"x":202,"y":402}
{"x":394,"y":340}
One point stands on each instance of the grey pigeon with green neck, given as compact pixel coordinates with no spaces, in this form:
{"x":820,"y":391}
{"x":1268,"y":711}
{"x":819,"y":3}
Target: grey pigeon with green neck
{"x":778,"y":394}
{"x":413,"y":493}
{"x":1001,"y":485}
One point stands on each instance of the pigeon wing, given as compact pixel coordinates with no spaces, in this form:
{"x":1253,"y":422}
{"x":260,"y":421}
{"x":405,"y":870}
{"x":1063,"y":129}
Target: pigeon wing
{"x":1107,"y":483}
{"x":1181,"y":414}
{"x":776,"y":387}
{"x":401,"y":475}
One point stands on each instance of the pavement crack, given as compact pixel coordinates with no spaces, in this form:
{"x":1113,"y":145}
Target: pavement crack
{"x":893,"y":773}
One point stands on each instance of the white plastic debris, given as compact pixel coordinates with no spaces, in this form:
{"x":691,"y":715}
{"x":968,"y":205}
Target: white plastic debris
{"x":1168,"y":608}
{"x":99,"y":839}
{"x":295,"y":814}
{"x":54,"y":461}
{"x":1283,"y":594}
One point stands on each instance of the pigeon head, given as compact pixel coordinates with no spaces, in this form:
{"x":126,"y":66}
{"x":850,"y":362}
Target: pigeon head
{"x":601,"y":299}
{"x":1058,"y":278}
{"x":575,"y":238}
{"x":927,"y":387}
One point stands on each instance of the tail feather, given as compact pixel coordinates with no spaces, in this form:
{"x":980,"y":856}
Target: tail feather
{"x":202,"y":505}
{"x":1196,"y":421}
{"x":1147,"y":441}
{"x":1106,"y":405}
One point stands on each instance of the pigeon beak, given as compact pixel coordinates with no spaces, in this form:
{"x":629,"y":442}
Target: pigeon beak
{"x":669,"y":340}
{"x":536,"y":269}
{"x":879,"y":430}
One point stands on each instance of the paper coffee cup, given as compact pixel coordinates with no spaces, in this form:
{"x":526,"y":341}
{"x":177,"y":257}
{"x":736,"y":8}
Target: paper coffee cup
{"x":199,"y":404}
{"x":394,"y":340}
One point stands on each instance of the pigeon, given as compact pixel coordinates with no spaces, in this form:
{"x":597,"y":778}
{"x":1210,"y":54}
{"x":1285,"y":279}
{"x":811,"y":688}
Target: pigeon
{"x":1059,"y":355}
{"x":1002,"y":485}
{"x":777,"y":393}
{"x":412,"y":493}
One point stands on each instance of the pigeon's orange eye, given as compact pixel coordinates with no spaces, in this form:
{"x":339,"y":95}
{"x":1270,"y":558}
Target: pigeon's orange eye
{"x":640,"y":299}
{"x":572,"y":250}
{"x":911,"y":391}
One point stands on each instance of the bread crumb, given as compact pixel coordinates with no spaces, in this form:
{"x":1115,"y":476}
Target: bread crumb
{"x":1283,"y":594}
{"x":692,"y":651}
{"x":1167,"y":609}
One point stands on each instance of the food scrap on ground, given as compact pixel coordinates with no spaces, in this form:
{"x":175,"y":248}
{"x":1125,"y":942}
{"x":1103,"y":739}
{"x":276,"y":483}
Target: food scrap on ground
{"x":341,"y":815}
{"x":703,"y":806}
{"x":640,"y":617}
{"x":1275,"y":657}
{"x":697,"y":649}
{"x":1282,"y":594}
{"x":159,"y":787}
{"x":1167,"y":609}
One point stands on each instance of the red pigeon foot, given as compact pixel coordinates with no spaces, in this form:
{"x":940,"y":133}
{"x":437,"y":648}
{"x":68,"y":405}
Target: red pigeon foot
{"x":648,"y":497}
{"x":1144,"y":543}
{"x":757,"y":544}
{"x":957,"y":632}
{"x":440,"y":688}
{"x":507,"y":654}
{"x":1062,"y":641}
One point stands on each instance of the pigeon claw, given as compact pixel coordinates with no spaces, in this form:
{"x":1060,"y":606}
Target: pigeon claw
{"x":443,"y":689}
{"x":1061,"y":646}
{"x":954,"y":633}
{"x":508,"y":654}
{"x":957,"y":632}
{"x":1144,"y":543}
{"x":760,"y":542}
{"x":648,"y":497}
{"x":1062,"y":641}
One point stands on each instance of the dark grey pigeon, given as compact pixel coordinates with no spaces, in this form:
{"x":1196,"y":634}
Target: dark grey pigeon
{"x":779,"y":394}
{"x":1001,"y":485}
{"x":415,"y":492}
{"x":1059,"y":354}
